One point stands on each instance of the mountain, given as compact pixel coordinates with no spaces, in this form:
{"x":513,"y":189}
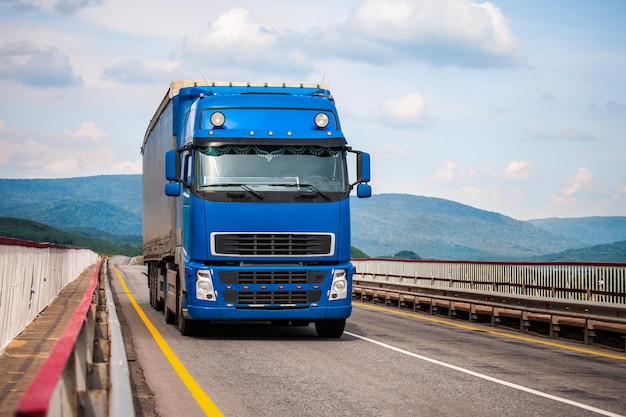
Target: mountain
{"x":107,"y":202}
{"x":110,"y":207}
{"x":435,"y":228}
{"x":590,"y":230}
{"x":38,"y":232}
{"x":608,"y":252}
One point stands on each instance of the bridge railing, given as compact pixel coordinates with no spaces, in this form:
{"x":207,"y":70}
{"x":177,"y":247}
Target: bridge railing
{"x":570,"y":281}
{"x":31,"y":275}
{"x":86,"y":373}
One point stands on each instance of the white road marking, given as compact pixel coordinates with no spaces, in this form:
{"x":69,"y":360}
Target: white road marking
{"x":488,"y":378}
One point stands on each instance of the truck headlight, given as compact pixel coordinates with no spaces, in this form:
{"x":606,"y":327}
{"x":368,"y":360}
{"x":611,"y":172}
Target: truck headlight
{"x":204,"y":285}
{"x":321,"y":120}
{"x":339,"y":286}
{"x":218,"y":119}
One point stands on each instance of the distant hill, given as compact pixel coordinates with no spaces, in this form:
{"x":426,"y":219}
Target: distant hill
{"x":590,"y":230}
{"x":38,"y":232}
{"x":608,"y":252}
{"x":435,"y":228}
{"x":110,"y":207}
{"x":110,"y":203}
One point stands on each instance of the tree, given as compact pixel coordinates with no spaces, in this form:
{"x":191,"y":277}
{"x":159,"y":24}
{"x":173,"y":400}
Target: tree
{"x":407,"y":254}
{"x":358,"y":253}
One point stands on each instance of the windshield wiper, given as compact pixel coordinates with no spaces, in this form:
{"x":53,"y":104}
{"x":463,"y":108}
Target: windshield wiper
{"x":309,"y":186}
{"x":244,"y":186}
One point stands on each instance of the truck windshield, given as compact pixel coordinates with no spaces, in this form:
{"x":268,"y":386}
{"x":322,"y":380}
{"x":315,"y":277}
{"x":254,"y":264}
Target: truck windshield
{"x":270,"y":168}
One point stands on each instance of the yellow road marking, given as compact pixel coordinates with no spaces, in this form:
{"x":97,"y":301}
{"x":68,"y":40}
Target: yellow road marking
{"x":481,"y":329}
{"x":201,"y":397}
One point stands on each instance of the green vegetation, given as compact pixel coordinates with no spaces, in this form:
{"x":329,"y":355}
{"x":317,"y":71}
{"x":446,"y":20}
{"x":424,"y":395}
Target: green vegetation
{"x":407,"y":254}
{"x":39,"y":232}
{"x":357,"y":253}
{"x":610,"y":252}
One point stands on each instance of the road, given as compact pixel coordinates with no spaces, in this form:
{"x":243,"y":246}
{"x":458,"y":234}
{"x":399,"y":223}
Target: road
{"x":386,"y":364}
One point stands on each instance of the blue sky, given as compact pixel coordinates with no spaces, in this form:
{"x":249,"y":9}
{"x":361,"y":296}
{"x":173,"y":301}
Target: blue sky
{"x":517,"y":107}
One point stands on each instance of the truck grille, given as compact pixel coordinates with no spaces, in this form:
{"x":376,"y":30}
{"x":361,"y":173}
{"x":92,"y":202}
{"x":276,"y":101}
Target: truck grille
{"x":272,"y":244}
{"x":268,"y":298}
{"x":272,"y":277}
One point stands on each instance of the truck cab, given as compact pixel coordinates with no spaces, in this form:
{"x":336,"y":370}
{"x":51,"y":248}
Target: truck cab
{"x":259,"y":193}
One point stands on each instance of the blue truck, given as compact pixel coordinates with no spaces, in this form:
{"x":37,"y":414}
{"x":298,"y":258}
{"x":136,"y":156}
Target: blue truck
{"x":246,"y":206}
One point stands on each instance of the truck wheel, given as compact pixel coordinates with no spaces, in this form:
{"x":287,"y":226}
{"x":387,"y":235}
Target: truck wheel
{"x":170,"y":318}
{"x":152,"y":285}
{"x":186,"y":326}
{"x":331,"y":329}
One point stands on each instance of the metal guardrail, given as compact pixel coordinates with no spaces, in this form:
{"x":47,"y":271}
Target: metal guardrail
{"x":609,"y":312}
{"x":120,"y":391}
{"x":86,"y":373}
{"x":571,"y":280}
{"x":400,"y":283}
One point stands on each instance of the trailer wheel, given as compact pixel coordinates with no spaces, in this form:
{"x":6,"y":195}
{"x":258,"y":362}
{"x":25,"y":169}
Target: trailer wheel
{"x":170,"y":316}
{"x":331,"y":329}
{"x":152,"y":284}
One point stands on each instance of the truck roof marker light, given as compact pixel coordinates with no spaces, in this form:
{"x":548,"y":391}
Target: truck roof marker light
{"x":218,"y":119}
{"x":321,"y":120}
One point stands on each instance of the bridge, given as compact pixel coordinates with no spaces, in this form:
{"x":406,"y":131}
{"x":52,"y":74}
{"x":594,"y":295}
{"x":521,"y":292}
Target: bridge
{"x":425,"y":338}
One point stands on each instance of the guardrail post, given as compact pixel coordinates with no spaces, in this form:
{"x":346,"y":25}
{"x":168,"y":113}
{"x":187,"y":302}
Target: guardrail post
{"x":554,"y":327}
{"x":473,"y":315}
{"x":589,"y":331}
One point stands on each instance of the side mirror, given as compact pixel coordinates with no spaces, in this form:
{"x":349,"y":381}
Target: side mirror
{"x":363,"y":167}
{"x":364,"y":190}
{"x":173,"y":189}
{"x":171,"y":166}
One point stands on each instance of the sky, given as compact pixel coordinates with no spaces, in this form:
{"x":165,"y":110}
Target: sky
{"x":515,"y":107}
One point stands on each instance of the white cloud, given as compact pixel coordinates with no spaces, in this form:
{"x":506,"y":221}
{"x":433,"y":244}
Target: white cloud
{"x":443,"y":32}
{"x":518,"y":170}
{"x":451,"y":172}
{"x":29,"y":64}
{"x":620,"y":191}
{"x":409,"y":110}
{"x":30,"y":155}
{"x":87,"y":130}
{"x":583,"y":178}
{"x":235,"y":44}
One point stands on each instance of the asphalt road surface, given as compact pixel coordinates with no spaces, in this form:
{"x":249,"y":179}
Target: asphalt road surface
{"x":387,"y":363}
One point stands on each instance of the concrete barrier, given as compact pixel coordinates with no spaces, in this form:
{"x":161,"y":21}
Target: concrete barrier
{"x":31,"y":275}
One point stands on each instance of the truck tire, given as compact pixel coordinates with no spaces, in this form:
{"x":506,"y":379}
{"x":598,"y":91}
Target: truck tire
{"x":331,"y":328}
{"x":152,"y":283}
{"x":186,"y":326}
{"x":170,"y":318}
